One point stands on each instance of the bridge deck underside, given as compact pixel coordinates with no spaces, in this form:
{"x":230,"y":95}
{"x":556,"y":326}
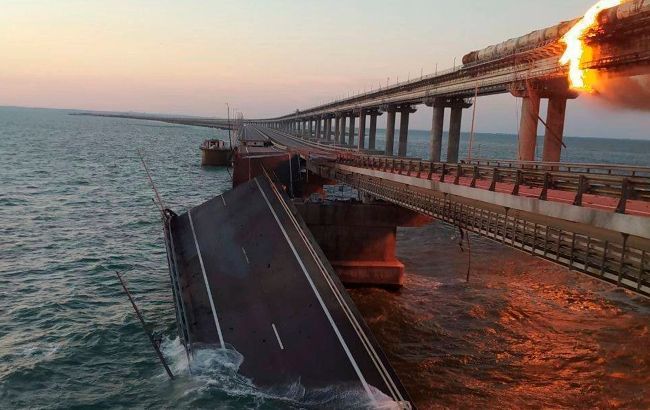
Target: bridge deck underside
{"x":252,"y":278}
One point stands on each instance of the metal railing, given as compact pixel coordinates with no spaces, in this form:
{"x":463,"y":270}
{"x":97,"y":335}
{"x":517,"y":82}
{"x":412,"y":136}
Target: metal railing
{"x":623,"y":183}
{"x":588,"y":168}
{"x":614,"y":259}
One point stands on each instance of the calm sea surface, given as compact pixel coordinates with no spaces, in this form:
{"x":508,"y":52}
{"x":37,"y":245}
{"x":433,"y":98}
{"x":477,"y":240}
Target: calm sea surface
{"x":75,"y":206}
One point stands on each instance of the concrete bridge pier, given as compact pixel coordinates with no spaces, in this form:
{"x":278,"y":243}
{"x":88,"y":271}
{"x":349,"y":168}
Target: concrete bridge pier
{"x":352,"y":129}
{"x":362,"y":130}
{"x":554,"y":132}
{"x":405,"y":111}
{"x":372,"y":132}
{"x":453,"y":144}
{"x":437,"y":123}
{"x":372,"y":228}
{"x":528,"y":127}
{"x":327,"y":133}
{"x":390,"y":130}
{"x":337,"y":129}
{"x":311,"y":128}
{"x":318,"y":128}
{"x":342,"y":128}
{"x":557,"y":92}
{"x":455,"y":120}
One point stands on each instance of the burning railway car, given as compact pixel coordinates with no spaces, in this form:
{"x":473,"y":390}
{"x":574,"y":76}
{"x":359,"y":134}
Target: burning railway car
{"x":551,"y":35}
{"x":624,"y":11}
{"x":535,"y":39}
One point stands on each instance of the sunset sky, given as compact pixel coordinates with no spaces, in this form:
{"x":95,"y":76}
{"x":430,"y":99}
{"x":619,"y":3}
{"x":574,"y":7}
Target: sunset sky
{"x":264,"y":57}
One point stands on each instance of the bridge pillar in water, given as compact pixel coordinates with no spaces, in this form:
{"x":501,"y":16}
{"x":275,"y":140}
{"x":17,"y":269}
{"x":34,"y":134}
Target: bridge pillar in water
{"x":455,"y":120}
{"x":352,"y":129}
{"x":437,"y":123}
{"x":390,"y":131}
{"x":362,"y":130}
{"x":327,"y":128}
{"x":318,"y":128}
{"x":371,"y":228}
{"x":337,"y":129}
{"x":343,"y":120}
{"x":372,"y":133}
{"x":527,"y":140}
{"x":453,"y":145}
{"x":554,"y":132}
{"x":405,"y":111}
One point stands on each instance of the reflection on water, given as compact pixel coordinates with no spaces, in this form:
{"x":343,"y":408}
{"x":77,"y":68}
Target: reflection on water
{"x":523,"y":332}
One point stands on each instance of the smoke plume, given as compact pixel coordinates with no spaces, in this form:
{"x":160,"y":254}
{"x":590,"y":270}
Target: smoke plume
{"x":624,"y":92}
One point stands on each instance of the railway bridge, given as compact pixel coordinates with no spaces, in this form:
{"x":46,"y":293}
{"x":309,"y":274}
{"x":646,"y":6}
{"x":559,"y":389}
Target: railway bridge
{"x":592,"y":218}
{"x":254,"y":269}
{"x":589,"y":217}
{"x":525,"y":67}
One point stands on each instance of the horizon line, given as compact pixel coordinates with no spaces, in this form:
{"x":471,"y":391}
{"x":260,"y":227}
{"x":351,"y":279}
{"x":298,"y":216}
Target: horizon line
{"x":216,"y":118}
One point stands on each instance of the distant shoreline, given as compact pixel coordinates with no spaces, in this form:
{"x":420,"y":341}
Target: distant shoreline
{"x":162,"y":116}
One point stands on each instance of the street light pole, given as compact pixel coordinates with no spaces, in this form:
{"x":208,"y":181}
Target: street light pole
{"x":229,"y":126}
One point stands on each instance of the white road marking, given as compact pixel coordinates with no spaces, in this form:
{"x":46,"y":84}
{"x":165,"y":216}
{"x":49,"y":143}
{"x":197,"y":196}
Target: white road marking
{"x":277,"y":336}
{"x":369,"y":348}
{"x":207,"y":285}
{"x":245,"y":255}
{"x":223,"y":200}
{"x":320,"y":299}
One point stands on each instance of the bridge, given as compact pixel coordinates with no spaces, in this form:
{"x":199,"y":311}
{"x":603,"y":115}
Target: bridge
{"x":260,"y":269}
{"x":526,"y":67}
{"x":592,"y":218}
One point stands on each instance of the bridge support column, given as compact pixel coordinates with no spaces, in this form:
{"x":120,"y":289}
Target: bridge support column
{"x":362,"y":130}
{"x":372,"y":133}
{"x":372,"y":228}
{"x":453,"y":145}
{"x":318,"y":128}
{"x":437,"y":123}
{"x":528,"y":127}
{"x":311,"y":129}
{"x":554,"y":129}
{"x":337,"y":130}
{"x":343,"y":120}
{"x":352,"y":129}
{"x":405,"y":111}
{"x":390,"y":131}
{"x":327,"y":132}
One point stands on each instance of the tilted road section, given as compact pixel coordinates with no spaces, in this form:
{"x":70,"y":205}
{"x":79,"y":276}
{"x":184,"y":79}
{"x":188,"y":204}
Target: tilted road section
{"x":251,"y":277}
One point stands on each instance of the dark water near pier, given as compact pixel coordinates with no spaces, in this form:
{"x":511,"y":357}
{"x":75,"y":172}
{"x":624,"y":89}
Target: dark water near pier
{"x":75,"y":207}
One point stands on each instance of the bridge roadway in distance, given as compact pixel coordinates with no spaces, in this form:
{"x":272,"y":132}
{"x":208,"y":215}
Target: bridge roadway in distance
{"x":249,"y":276}
{"x":580,"y":221}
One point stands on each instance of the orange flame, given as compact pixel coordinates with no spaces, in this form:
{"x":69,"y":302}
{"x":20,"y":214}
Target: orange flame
{"x":575,"y":47}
